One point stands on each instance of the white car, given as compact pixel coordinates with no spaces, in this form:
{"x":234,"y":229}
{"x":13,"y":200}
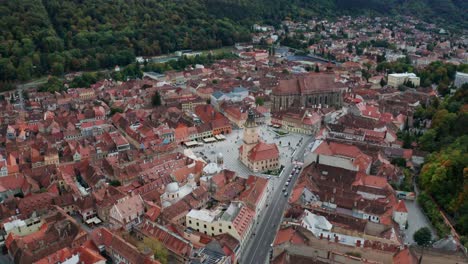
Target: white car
{"x":287,"y":183}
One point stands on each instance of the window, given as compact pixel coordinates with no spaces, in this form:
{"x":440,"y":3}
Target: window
{"x":190,"y":221}
{"x":229,"y":226}
{"x":198,"y":224}
{"x":204,"y":226}
{"x":212,"y":228}
{"x":220,"y":230}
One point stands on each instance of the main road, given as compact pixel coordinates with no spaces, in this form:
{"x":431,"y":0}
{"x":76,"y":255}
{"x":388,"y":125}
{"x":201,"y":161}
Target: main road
{"x":258,"y":247}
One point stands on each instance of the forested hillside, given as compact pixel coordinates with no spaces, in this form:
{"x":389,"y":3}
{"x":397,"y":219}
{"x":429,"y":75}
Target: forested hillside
{"x":445,"y":175}
{"x":57,"y":36}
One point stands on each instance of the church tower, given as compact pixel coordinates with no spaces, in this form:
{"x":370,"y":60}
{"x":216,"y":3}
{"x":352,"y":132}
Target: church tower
{"x":251,"y":138}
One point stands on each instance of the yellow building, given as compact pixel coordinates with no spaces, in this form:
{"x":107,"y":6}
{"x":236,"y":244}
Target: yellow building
{"x":237,"y":220}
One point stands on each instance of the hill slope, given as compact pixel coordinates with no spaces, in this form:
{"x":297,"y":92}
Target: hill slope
{"x":56,"y":36}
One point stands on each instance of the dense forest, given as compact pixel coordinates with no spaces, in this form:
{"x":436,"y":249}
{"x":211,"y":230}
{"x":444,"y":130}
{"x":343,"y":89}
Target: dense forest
{"x":444,"y":176}
{"x":58,"y":36}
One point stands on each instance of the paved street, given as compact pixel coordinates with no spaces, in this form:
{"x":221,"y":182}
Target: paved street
{"x":291,"y":148}
{"x":416,"y":220}
{"x":258,"y":247}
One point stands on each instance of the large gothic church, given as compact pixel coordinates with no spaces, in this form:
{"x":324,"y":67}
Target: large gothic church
{"x":310,"y":91}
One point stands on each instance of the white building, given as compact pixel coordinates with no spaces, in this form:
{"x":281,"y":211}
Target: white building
{"x":460,"y":79}
{"x":238,"y":94}
{"x":322,"y":228}
{"x":173,"y":192}
{"x":397,"y":79}
{"x":400,"y":215}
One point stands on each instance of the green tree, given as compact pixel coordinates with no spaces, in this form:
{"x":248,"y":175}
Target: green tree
{"x":115,"y":183}
{"x":53,"y":84}
{"x":57,"y":69}
{"x":382,"y":82}
{"x":259,"y":101}
{"x":155,"y":246}
{"x":156,"y":100}
{"x":423,"y":237}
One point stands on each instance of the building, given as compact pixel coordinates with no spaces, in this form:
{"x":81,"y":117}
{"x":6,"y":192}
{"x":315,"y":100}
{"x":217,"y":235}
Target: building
{"x":127,"y":212}
{"x":238,"y":94}
{"x":119,"y":250}
{"x":460,"y":79}
{"x":298,"y":121}
{"x":255,"y":154}
{"x":339,"y":155}
{"x":308,"y":91}
{"x":397,"y":79}
{"x":57,"y":231}
{"x":174,"y":193}
{"x":400,"y":215}
{"x":237,"y":220}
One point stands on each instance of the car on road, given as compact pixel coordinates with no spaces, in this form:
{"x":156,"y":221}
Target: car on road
{"x":287,"y":183}
{"x":286,"y":194}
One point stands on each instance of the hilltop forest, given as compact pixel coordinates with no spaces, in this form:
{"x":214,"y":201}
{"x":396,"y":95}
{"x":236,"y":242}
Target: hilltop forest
{"x":58,"y":36}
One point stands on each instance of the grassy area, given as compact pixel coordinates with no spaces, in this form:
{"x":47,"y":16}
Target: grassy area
{"x":280,"y":132}
{"x":218,"y":51}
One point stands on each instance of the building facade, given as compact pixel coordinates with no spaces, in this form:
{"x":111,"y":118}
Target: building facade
{"x":308,"y":91}
{"x":255,"y":154}
{"x":397,"y":79}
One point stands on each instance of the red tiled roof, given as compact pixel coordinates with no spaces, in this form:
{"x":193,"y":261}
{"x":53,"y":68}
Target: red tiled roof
{"x":153,"y":212}
{"x":243,"y":220}
{"x":336,"y":149}
{"x":58,"y":256}
{"x":308,"y":84}
{"x":263,"y":151}
{"x":370,"y":180}
{"x":401,"y":207}
{"x":288,"y":235}
{"x":115,"y":243}
{"x":404,"y":257}
{"x":256,"y":187}
{"x":171,"y":241}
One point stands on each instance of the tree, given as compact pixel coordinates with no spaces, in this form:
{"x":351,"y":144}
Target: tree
{"x":115,"y":110}
{"x":53,"y":84}
{"x":423,"y":237}
{"x":156,"y":100}
{"x":155,"y":246}
{"x":259,"y":101}
{"x":383,"y":82}
{"x":115,"y":183}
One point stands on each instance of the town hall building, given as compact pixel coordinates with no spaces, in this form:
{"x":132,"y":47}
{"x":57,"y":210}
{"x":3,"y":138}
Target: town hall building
{"x":258,"y":156}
